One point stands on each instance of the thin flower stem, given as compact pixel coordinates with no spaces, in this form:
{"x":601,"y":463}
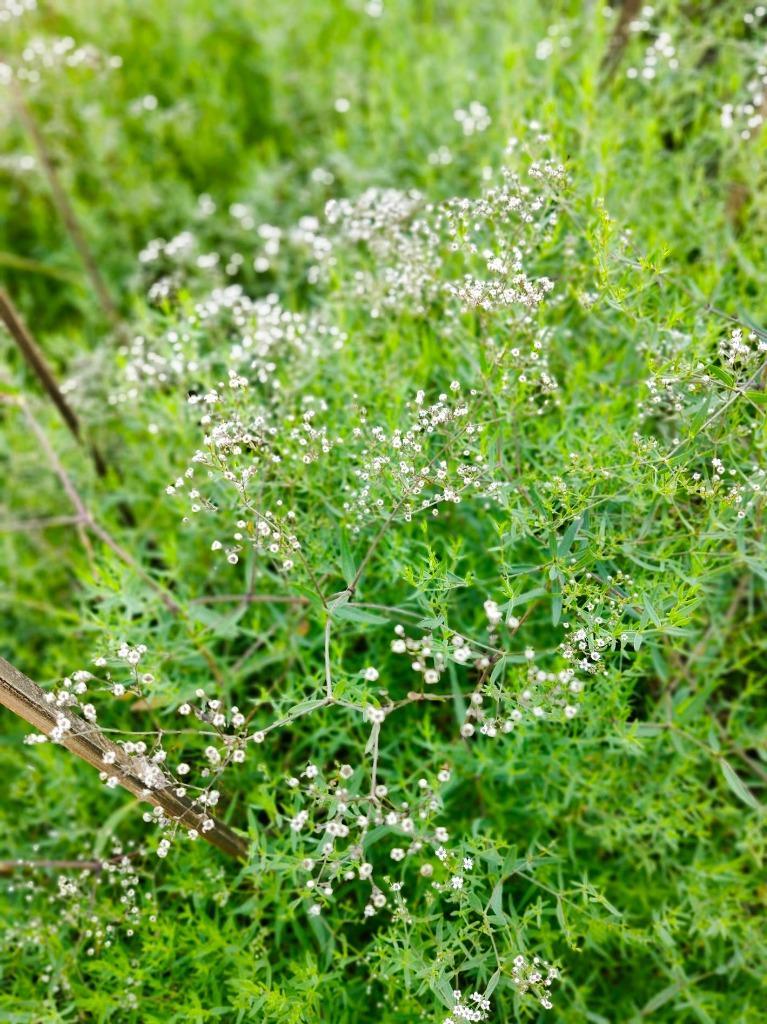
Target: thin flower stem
{"x":250,"y":599}
{"x":328,"y":670}
{"x":375,"y":734}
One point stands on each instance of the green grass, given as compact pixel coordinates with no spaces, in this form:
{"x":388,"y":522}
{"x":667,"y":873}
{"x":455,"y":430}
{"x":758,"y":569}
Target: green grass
{"x":624,"y":844}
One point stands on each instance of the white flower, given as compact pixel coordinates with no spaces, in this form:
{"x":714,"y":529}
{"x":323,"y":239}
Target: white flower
{"x":493,"y":612}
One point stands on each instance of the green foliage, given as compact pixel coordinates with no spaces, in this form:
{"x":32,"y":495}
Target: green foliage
{"x":569,"y":359}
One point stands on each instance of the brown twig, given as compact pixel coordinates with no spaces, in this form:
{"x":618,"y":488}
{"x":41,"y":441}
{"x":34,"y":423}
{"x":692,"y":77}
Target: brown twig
{"x":84,"y":518}
{"x":620,"y":37}
{"x":64,"y":206}
{"x":10,"y":867}
{"x":35,"y":359}
{"x":39,"y":523}
{"x":25,"y":698}
{"x":738,"y":192}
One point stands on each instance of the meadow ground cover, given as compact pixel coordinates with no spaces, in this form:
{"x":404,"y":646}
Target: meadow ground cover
{"x":383,"y":472}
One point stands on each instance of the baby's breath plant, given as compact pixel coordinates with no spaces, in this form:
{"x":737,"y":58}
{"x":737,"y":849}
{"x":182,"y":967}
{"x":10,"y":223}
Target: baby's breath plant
{"x":426,"y":559}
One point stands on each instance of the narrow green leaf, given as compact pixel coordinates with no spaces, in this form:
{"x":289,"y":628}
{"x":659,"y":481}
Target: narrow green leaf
{"x":496,"y":898}
{"x":736,"y":784}
{"x":722,"y":375}
{"x":661,"y":998}
{"x":351,"y":613}
{"x":569,"y":536}
{"x":491,"y":985}
{"x":556,"y":607}
{"x":346,"y":558}
{"x":759,"y":397}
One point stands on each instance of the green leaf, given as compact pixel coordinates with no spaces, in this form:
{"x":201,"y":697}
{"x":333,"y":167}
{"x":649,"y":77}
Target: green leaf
{"x":346,"y":558}
{"x":442,"y":988}
{"x":722,"y":375}
{"x":491,"y":985}
{"x":562,"y":919}
{"x":111,"y":823}
{"x":373,"y":738}
{"x":304,"y":708}
{"x":569,"y":536}
{"x":529,"y":595}
{"x":662,"y":997}
{"x":736,"y":784}
{"x":496,"y":898}
{"x":351,"y":613}
{"x":339,"y":600}
{"x":224,"y":626}
{"x":760,"y":397}
{"x":650,"y":609}
{"x":498,"y":668}
{"x":556,"y":607}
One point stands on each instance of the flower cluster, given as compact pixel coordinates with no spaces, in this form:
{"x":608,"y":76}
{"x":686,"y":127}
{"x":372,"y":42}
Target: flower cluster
{"x":683,"y":379}
{"x":508,"y":687}
{"x":304,"y":240}
{"x":660,"y":50}
{"x":401,"y":258}
{"x":536,"y":976}
{"x":222,"y":732}
{"x":72,"y":693}
{"x":219,"y":740}
{"x":410,"y":249}
{"x":337,"y":826}
{"x":432,"y":460}
{"x":41,"y":55}
{"x":739,"y":488}
{"x":557,"y":37}
{"x":474,"y":120}
{"x":250,"y":342}
{"x":247,"y":452}
{"x":747,"y":115}
{"x":10,"y":9}
{"x":500,"y":229}
{"x":475,"y":1008}
{"x":742,"y":349}
{"x":114,"y":879}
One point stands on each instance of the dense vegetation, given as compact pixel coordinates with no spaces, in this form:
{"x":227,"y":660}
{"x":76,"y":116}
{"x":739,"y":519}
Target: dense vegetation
{"x":412,"y":521}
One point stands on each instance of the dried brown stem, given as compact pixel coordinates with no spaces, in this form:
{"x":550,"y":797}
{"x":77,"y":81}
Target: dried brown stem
{"x":10,"y":867}
{"x":739,"y":193}
{"x":25,"y":698}
{"x":64,"y":207}
{"x":628,"y":12}
{"x":39,"y":523}
{"x":86,"y":520}
{"x":35,"y":359}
